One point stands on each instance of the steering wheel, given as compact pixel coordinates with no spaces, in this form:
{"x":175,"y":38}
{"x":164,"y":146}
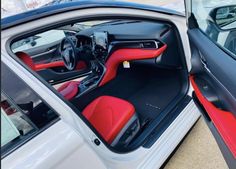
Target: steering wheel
{"x":68,"y":53}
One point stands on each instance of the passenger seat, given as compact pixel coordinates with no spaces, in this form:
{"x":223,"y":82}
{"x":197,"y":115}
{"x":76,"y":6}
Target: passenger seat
{"x":115,"y":119}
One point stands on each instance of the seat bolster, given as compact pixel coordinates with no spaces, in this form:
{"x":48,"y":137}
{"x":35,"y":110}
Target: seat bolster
{"x":69,"y":89}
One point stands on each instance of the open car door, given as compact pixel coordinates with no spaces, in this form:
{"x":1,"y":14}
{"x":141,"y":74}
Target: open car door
{"x":212,"y":36}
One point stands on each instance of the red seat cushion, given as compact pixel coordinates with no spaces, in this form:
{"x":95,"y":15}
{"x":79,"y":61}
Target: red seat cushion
{"x":69,"y":89}
{"x":108,"y":115}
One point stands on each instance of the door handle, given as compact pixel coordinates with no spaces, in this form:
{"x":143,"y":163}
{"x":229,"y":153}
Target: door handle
{"x":202,"y":58}
{"x":51,"y":50}
{"x":204,"y":62}
{"x":205,"y":65}
{"x":48,"y":51}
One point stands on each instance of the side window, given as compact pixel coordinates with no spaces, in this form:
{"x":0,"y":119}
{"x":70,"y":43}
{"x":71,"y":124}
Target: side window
{"x":23,"y":113}
{"x":218,"y":20}
{"x":45,"y":38}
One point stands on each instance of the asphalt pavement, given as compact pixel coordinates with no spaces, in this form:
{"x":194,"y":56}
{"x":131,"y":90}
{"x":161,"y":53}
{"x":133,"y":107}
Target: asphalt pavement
{"x":199,"y":150}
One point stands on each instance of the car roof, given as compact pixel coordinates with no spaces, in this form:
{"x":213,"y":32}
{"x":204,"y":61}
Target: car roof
{"x":70,"y":6}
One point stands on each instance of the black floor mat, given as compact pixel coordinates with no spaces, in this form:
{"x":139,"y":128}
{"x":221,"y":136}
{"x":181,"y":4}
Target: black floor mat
{"x":149,"y":89}
{"x":151,"y":99}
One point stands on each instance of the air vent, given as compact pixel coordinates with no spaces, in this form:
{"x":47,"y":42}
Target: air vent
{"x":150,"y":45}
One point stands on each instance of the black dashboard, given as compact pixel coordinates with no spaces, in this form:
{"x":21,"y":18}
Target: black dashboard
{"x":103,"y":39}
{"x":125,"y":30}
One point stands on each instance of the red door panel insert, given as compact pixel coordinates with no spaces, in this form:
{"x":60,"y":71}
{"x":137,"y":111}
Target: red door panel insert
{"x":49,"y":65}
{"x":224,"y":121}
{"x":80,"y":66}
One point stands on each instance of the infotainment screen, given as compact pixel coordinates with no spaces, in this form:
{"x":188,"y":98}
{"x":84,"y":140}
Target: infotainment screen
{"x":100,"y":40}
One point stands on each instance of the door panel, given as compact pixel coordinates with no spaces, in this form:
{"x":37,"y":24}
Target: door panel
{"x":224,"y":120}
{"x":214,"y":82}
{"x":55,"y":77}
{"x":216,"y":66}
{"x":49,"y":65}
{"x":45,"y":53}
{"x":223,"y":147}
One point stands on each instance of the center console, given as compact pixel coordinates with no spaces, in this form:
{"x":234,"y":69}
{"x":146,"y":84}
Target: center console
{"x":92,"y":80}
{"x":99,"y":51}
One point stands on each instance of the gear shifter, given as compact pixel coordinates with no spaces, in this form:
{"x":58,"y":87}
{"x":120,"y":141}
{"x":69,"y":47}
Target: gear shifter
{"x":94,"y":77}
{"x":95,"y":68}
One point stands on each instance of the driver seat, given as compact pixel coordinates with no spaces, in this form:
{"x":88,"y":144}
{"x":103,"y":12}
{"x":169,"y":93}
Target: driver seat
{"x":68,"y":90}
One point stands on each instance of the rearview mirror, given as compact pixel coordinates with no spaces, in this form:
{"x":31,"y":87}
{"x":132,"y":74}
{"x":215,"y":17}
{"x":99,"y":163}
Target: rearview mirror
{"x":224,"y":17}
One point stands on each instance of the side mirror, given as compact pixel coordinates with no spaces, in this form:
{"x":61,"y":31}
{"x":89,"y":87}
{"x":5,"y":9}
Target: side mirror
{"x":33,"y":43}
{"x":33,"y":40}
{"x":224,"y":17}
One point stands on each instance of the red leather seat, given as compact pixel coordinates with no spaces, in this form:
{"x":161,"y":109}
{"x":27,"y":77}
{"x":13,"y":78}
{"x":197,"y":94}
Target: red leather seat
{"x":69,"y":89}
{"x":109,"y":115}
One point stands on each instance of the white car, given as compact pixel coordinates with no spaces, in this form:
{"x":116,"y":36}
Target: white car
{"x":120,"y":91}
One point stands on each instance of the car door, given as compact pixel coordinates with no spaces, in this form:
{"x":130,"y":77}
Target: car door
{"x":33,"y":134}
{"x":212,"y":36}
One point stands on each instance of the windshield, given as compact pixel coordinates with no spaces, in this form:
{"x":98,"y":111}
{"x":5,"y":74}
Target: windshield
{"x":12,"y":7}
{"x":56,"y":35}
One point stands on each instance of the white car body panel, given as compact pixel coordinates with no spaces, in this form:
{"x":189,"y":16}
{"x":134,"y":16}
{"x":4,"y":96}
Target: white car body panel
{"x":141,"y":157}
{"x":58,"y":147}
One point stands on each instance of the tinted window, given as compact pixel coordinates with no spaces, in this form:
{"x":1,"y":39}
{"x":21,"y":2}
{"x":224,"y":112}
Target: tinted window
{"x":24,"y":113}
